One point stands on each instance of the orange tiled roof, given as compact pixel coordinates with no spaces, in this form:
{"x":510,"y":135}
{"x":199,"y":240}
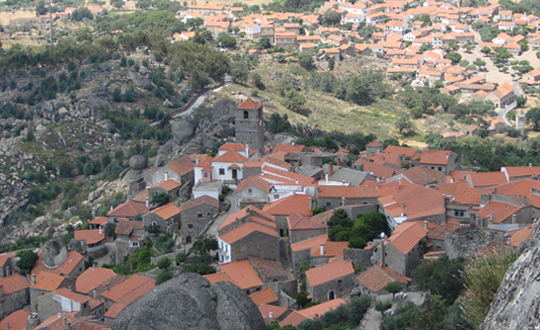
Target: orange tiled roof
{"x":249,"y":104}
{"x":276,"y":311}
{"x":90,"y":236}
{"x":408,"y":234}
{"x":127,"y":227}
{"x":12,"y":284}
{"x":217,"y":277}
{"x":168,"y":185}
{"x":439,"y":232}
{"x":288,"y":147}
{"x":166,"y":211}
{"x":439,"y":157}
{"x":422,"y":175}
{"x":92,"y":278}
{"x":181,"y":166}
{"x":293,"y":319}
{"x":141,"y":196}
{"x":16,"y":320}
{"x":265,"y":296}
{"x":298,"y":221}
{"x":323,"y":308}
{"x":128,"y":209}
{"x":233,"y":146}
{"x":331,"y":249}
{"x":200,"y":201}
{"x":254,"y":181}
{"x":310,"y":243}
{"x":245,"y":230}
{"x":77,"y":297}
{"x":289,"y":205}
{"x":230,"y":156}
{"x":242,"y":274}
{"x":100,"y":221}
{"x":231,"y":218}
{"x":378,"y":170}
{"x":377,"y":277}
{"x":483,"y":179}
{"x":329,"y":272}
{"x":501,"y":211}
{"x":48,"y":281}
{"x":129,"y":290}
{"x":521,"y":235}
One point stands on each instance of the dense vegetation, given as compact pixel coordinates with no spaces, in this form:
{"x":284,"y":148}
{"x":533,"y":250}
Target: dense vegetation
{"x":367,"y":227}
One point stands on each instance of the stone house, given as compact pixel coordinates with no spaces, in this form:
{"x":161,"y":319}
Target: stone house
{"x":14,"y":293}
{"x":331,"y":281}
{"x":531,"y":77}
{"x":129,"y":235}
{"x":440,"y":160}
{"x":241,"y":274}
{"x":7,"y":264}
{"x":44,"y":283}
{"x":127,"y":210}
{"x":65,"y":301}
{"x":403,"y":251}
{"x":123,"y":294}
{"x":535,"y":44}
{"x":373,"y":280}
{"x":252,"y":191}
{"x":166,"y":216}
{"x":269,"y":271}
{"x":91,"y":240}
{"x":285,"y":40}
{"x":301,"y":252}
{"x":503,"y":96}
{"x":169,"y":187}
{"x":435,"y":237}
{"x":195,"y":215}
{"x":333,"y":197}
{"x":374,"y":147}
{"x":96,"y":280}
{"x":249,"y":240}
{"x":248,"y":214}
{"x":69,"y":264}
{"x":98,"y":222}
{"x":179,"y":170}
{"x":302,"y":227}
{"x":286,"y":206}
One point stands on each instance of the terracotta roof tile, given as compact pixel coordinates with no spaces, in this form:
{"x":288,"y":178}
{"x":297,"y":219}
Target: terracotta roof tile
{"x":485,"y":179}
{"x":377,"y":277}
{"x":276,"y":311}
{"x":200,"y":201}
{"x":249,"y":104}
{"x":181,"y":166}
{"x":48,"y":281}
{"x":289,"y":205}
{"x":245,"y":212}
{"x":438,"y":157}
{"x":166,"y":211}
{"x":501,"y":211}
{"x":129,"y":290}
{"x":469,"y":196}
{"x":368,"y":189}
{"x":415,"y":201}
{"x":92,"y":278}
{"x":254,"y":181}
{"x":289,"y":147}
{"x":127,"y":227}
{"x":521,"y":235}
{"x":322,"y":218}
{"x":293,"y":319}
{"x":378,"y":170}
{"x":217,"y":277}
{"x":230,"y":156}
{"x":100,"y":221}
{"x":330,"y":249}
{"x":522,"y":171}
{"x":17,"y":320}
{"x":233,"y":146}
{"x":90,"y":236}
{"x":422,"y":175}
{"x":409,"y":152}
{"x":374,"y":144}
{"x":408,"y":234}
{"x":114,"y":310}
{"x":328,"y":272}
{"x":265,"y":296}
{"x":298,"y":221}
{"x":242,"y":274}
{"x":168,"y":185}
{"x":141,"y":196}
{"x":452,"y":189}
{"x":267,"y":268}
{"x":128,"y":209}
{"x":439,"y":232}
{"x":73,"y":259}
{"x":245,"y":230}
{"x":309,"y":244}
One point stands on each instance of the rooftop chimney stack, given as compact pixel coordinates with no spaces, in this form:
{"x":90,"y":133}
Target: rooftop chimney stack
{"x":94,"y":294}
{"x":247,"y":150}
{"x":399,"y":181}
{"x":514,"y":219}
{"x":426,"y":225}
{"x":342,"y":201}
{"x":530,"y":164}
{"x":338,"y":161}
{"x":271,"y":315}
{"x":310,"y":203}
{"x":7,"y":324}
{"x":64,"y":321}
{"x":100,"y":230}
{"x":322,"y":249}
{"x":33,"y":279}
{"x":297,"y":182}
{"x":146,"y":202}
{"x":447,"y":156}
{"x":112,"y":208}
{"x":326,"y":178}
{"x":94,"y":265}
{"x":330,"y":169}
{"x":197,"y":160}
{"x":8,"y":271}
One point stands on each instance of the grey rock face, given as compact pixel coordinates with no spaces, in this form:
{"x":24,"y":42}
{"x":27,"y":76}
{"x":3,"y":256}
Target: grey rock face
{"x":181,"y":130}
{"x":189,"y":301}
{"x":516,"y":305}
{"x":469,"y":240}
{"x":54,"y":254}
{"x":138,"y":162}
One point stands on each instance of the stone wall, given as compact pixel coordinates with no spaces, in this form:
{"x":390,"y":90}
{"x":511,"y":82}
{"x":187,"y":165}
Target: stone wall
{"x":297,"y":258}
{"x":469,"y":240}
{"x":359,"y":257}
{"x":190,"y":218}
{"x":354,"y":211}
{"x":332,"y":203}
{"x":256,"y":244}
{"x":300,"y":235}
{"x":320,"y":292}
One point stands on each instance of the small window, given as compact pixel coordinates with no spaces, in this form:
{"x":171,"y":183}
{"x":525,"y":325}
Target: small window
{"x":199,"y":215}
{"x":205,"y":174}
{"x":221,"y":171}
{"x":440,"y":169}
{"x":340,"y":285}
{"x":249,"y":191}
{"x":276,"y":196}
{"x":328,"y":204}
{"x":190,"y":225}
{"x":246,"y":115}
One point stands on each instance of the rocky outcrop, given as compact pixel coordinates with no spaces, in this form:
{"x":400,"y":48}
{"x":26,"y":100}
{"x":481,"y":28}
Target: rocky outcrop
{"x":138,"y":162}
{"x":189,"y":301}
{"x":469,"y":240}
{"x":517,"y":302}
{"x":181,"y":130}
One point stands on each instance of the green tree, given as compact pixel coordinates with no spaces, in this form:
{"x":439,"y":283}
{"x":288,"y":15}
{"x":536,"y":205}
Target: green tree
{"x":30,"y":135}
{"x":331,"y":17}
{"x":27,"y":260}
{"x":264,"y":43}
{"x":110,"y":229}
{"x":204,"y":244}
{"x":486,"y":50}
{"x":301,"y":299}
{"x":393,"y":288}
{"x":40,"y":8}
{"x":160,"y":199}
{"x":431,"y":317}
{"x":533,"y":116}
{"x":227,"y":41}
{"x":180,"y":258}
{"x":382,"y":307}
{"x":294,"y":100}
{"x":66,"y":169}
{"x":164,"y":264}
{"x":403,"y":122}
{"x":417,"y":112}
{"x":455,"y":57}
{"x":442,"y":278}
{"x":306,"y":61}
{"x":153,"y":229}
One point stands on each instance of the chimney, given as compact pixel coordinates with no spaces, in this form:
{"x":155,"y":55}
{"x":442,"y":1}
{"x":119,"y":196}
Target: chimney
{"x":330,"y":169}
{"x":342,"y":201}
{"x":59,"y":315}
{"x":382,"y":251}
{"x":68,"y":326}
{"x":64,"y":321}
{"x":94,"y":294}
{"x":94,"y":265}
{"x":147,"y":202}
{"x":326,"y":178}
{"x":271,"y":315}
{"x":33,"y":279}
{"x":399,"y":181}
{"x":8,"y":271}
{"x":514,"y":219}
{"x":7,"y":324}
{"x":112,"y":208}
{"x":530,"y":164}
{"x":494,"y":191}
{"x":310,"y":203}
{"x":338,"y":161}
{"x":446,"y":156}
{"x":491,"y":216}
{"x":100,"y":230}
{"x":443,"y":201}
{"x":197,"y":160}
{"x":322,"y":249}
{"x":426,"y":225}
{"x":297,"y":182}
{"x":70,"y":288}
{"x":452,"y":180}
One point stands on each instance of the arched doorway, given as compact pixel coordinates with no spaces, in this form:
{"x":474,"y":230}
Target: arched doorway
{"x":188,"y":239}
{"x":331,"y":295}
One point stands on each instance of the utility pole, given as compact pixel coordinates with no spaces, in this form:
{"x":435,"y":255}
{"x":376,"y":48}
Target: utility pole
{"x":50,"y":20}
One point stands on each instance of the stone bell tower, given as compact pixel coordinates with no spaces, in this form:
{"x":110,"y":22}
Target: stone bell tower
{"x":250,"y":125}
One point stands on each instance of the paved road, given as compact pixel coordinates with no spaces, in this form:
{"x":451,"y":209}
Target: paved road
{"x":200,"y":100}
{"x":372,"y":319}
